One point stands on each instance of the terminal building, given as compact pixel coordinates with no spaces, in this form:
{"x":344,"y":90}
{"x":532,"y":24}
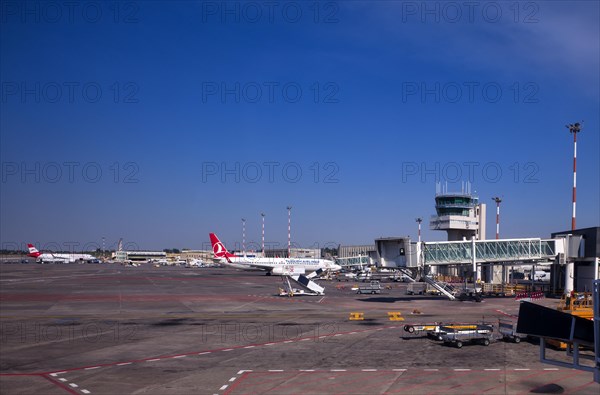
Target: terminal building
{"x":570,"y":258}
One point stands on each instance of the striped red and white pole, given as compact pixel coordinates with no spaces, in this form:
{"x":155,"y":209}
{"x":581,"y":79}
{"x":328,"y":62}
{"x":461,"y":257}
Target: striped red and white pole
{"x":243,"y":235}
{"x":289,"y":208}
{"x":263,"y":233}
{"x":574,"y":128}
{"x":574,"y":181}
{"x":498,"y":201}
{"x":497,"y":220}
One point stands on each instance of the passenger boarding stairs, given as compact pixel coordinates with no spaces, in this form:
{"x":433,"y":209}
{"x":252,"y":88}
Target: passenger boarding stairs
{"x":408,"y":273}
{"x":445,"y":288}
{"x":305,"y":283}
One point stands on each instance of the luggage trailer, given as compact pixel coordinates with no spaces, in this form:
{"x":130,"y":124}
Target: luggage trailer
{"x":481,"y":334}
{"x":437,"y":330}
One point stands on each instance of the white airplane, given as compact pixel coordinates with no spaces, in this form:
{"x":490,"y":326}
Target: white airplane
{"x":57,"y":258}
{"x":279,"y":266}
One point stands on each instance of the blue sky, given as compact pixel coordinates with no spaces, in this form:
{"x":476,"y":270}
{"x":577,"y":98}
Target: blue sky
{"x":160,"y":122}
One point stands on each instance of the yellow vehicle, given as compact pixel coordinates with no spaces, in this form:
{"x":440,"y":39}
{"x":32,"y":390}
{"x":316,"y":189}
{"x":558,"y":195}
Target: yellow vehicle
{"x":579,"y":304}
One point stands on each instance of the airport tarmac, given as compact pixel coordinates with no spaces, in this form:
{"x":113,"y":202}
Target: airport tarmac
{"x":106,"y":329}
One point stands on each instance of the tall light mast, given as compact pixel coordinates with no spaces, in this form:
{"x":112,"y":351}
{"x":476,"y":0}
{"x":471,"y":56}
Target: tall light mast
{"x":289,"y":209}
{"x":498,"y":201}
{"x":574,"y":128}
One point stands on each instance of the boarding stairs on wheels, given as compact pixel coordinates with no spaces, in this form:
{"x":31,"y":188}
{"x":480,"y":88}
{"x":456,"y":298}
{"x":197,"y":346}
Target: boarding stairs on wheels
{"x":306,"y":284}
{"x":408,"y":273}
{"x":445,"y":288}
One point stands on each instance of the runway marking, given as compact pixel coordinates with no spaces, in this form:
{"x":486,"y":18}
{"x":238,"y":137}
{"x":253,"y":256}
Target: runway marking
{"x":338,"y":370}
{"x":166,"y":357}
{"x":462,"y":370}
{"x":223,"y":387}
{"x":431,"y":370}
{"x":398,"y":370}
{"x":275,"y":370}
{"x":522,"y":369}
{"x":491,"y":369}
{"x":73,"y":385}
{"x":369,"y":370}
{"x":85,"y":391}
{"x":179,"y":356}
{"x":232,"y":379}
{"x":550,"y":368}
{"x":507,"y":314}
{"x":63,"y":380}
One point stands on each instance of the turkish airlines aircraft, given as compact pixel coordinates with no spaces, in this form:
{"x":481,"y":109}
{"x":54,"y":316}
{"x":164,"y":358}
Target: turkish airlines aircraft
{"x":271,"y":265}
{"x":56,"y":258}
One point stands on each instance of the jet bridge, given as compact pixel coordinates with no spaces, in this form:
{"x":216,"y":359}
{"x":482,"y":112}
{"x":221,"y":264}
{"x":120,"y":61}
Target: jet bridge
{"x":489,"y":251}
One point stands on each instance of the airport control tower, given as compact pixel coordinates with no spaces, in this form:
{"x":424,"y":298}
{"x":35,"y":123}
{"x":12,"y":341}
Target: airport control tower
{"x":458,"y":213}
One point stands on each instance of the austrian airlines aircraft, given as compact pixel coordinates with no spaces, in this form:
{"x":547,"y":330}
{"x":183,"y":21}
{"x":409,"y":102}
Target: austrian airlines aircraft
{"x":271,"y":265}
{"x":56,"y":258}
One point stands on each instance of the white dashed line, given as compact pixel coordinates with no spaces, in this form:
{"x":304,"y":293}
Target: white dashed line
{"x":550,"y":368}
{"x":53,"y":374}
{"x":338,"y":370}
{"x":153,"y":360}
{"x":228,"y":349}
{"x":369,"y":370}
{"x":249,"y":346}
{"x":338,"y":334}
{"x":223,"y":387}
{"x":305,"y":339}
{"x":352,"y":333}
{"x":93,"y":367}
{"x":63,"y":372}
{"x":63,"y":380}
{"x":431,"y":370}
{"x":85,"y":391}
{"x":307,"y":370}
{"x":399,"y":370}
{"x":232,"y":379}
{"x":275,"y":370}
{"x":73,"y":385}
{"x":522,"y":369}
{"x":462,"y":370}
{"x":205,"y":352}
{"x":288,"y":341}
{"x":269,"y":344}
{"x":179,"y":356}
{"x":124,"y":363}
{"x":492,"y":370}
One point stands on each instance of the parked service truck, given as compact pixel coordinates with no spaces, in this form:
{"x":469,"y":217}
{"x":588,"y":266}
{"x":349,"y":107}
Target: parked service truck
{"x":372,"y":288}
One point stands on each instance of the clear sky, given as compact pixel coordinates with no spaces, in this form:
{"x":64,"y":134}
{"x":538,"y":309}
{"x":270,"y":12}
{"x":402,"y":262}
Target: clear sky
{"x":159,"y":122}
